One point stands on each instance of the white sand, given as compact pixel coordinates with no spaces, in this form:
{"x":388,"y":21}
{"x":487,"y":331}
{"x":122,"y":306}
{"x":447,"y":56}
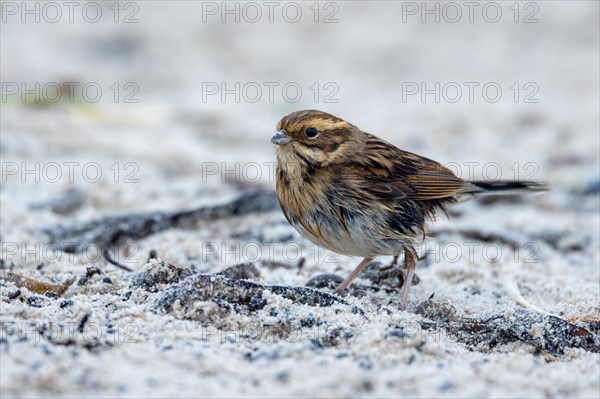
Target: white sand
{"x":182,"y":150}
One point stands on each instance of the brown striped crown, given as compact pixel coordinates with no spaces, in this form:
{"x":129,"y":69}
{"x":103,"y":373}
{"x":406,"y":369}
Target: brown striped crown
{"x":317,"y":135}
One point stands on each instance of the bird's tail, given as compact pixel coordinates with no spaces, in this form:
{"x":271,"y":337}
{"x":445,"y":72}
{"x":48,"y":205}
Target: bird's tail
{"x":503,"y":187}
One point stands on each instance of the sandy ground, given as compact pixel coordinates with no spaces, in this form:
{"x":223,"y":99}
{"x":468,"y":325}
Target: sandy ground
{"x":497,"y":270}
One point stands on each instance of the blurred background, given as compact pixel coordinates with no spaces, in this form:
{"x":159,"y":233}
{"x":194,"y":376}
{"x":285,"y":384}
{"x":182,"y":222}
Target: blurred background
{"x":172,"y":99}
{"x":126,"y":106}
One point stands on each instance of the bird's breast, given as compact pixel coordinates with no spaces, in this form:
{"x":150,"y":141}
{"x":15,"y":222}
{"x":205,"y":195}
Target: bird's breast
{"x":329,"y":217}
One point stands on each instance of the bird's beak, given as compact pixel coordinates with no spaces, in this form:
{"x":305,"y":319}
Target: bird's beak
{"x":280,"y":138}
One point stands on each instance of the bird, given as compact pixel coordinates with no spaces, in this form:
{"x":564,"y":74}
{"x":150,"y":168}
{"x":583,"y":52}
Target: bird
{"x":357,"y":195}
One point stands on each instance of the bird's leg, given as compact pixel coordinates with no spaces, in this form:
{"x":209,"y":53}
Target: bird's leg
{"x":410,"y":264}
{"x":348,"y":280}
{"x":388,"y":267}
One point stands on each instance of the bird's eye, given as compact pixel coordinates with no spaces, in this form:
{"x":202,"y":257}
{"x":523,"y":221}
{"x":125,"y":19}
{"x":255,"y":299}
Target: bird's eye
{"x":311,"y":132}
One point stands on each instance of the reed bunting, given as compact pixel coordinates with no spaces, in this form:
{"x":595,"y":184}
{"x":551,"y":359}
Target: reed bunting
{"x":358,"y":195}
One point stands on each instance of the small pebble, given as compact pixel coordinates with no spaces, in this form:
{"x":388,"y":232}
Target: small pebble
{"x":66,"y":303}
{"x":35,"y":301}
{"x":325,"y":281}
{"x":591,"y":187}
{"x":13,"y":294}
{"x":90,"y":271}
{"x":242,"y":271}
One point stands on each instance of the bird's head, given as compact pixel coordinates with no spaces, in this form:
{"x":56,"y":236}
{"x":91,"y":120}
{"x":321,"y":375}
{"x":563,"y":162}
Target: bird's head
{"x":315,"y":137}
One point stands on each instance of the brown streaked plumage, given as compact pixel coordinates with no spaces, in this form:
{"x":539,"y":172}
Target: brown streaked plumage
{"x":358,"y":195}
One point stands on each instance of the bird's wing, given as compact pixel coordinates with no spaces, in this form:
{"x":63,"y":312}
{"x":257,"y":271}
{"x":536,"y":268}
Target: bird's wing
{"x":389,"y":173}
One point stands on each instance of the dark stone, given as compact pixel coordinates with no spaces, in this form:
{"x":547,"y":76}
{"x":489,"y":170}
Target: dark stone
{"x":13,"y":294}
{"x":161,"y":273}
{"x":90,"y":271}
{"x":83,"y":321}
{"x":35,"y":301}
{"x":66,"y":303}
{"x":242,"y":271}
{"x":591,"y":187}
{"x":308,"y":321}
{"x":542,"y":331}
{"x":245,"y":293}
{"x":257,"y":302}
{"x":325,"y":281}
